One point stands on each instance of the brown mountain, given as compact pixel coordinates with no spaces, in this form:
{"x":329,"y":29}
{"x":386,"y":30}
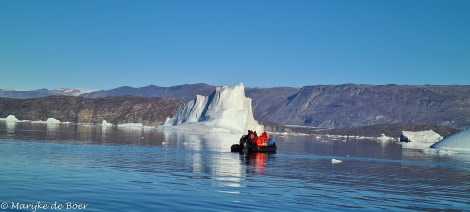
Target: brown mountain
{"x":116,"y":110}
{"x":321,"y":106}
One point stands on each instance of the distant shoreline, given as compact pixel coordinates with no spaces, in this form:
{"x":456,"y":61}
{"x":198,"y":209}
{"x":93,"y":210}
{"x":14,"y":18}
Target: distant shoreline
{"x":372,"y":131}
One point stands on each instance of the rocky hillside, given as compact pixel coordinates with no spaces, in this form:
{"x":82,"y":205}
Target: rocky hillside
{"x":335,"y":106}
{"x":266,"y":101}
{"x":116,"y":110}
{"x":350,"y":105}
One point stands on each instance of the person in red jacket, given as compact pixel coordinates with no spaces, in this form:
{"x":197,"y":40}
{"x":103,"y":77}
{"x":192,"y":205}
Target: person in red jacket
{"x":262,"y":140}
{"x":265,"y":135}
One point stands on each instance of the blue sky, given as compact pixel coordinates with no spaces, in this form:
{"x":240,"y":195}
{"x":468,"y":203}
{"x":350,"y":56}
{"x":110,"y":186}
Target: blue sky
{"x":262,"y":43}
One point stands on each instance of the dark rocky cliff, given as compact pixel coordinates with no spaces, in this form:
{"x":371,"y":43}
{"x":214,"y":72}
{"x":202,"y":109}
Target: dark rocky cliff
{"x":116,"y":110}
{"x":266,"y":101}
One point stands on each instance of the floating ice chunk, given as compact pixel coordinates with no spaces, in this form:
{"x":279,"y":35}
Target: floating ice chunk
{"x":419,"y":139}
{"x":131,"y":125}
{"x":441,"y":152}
{"x":104,"y":123}
{"x":385,"y":138}
{"x":48,"y":121}
{"x":10,"y":118}
{"x":335,"y":161}
{"x":52,"y":121}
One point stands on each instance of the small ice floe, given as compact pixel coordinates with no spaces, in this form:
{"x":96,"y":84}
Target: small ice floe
{"x":335,"y":161}
{"x":441,"y":152}
{"x":385,"y":138}
{"x":131,"y":125}
{"x":419,"y":139}
{"x":104,"y":123}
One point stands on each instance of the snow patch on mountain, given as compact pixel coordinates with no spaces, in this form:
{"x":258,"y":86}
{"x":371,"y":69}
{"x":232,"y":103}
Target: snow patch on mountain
{"x":71,"y":91}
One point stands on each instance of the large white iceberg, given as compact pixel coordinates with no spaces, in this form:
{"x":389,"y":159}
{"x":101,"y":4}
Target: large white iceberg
{"x":458,"y":141}
{"x":225,"y":110}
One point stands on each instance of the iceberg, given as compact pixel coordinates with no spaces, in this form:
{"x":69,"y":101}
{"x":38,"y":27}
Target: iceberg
{"x":336,"y":161}
{"x":419,"y":140}
{"x":10,"y":118}
{"x":52,"y":121}
{"x":458,"y":141}
{"x":48,"y":121}
{"x":104,"y":123}
{"x":225,"y":110}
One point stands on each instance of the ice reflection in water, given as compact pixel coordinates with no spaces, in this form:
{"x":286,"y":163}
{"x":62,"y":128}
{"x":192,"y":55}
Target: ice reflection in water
{"x":225,"y":167}
{"x":10,"y":126}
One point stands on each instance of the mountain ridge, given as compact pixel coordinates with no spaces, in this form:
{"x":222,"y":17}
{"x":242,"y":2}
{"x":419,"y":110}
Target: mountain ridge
{"x":43,"y":92}
{"x":186,"y":91}
{"x":336,"y":106}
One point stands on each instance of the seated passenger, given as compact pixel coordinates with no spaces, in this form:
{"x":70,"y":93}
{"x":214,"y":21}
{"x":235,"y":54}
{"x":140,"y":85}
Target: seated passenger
{"x":265,"y":135}
{"x":253,"y":136}
{"x":242,"y":140}
{"x":260,"y":141}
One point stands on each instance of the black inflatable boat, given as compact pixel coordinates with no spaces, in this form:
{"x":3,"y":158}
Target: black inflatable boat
{"x":254,"y":148}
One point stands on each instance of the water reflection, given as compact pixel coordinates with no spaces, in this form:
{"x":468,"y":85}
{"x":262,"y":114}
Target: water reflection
{"x":256,"y":162}
{"x":211,"y":154}
{"x":10,"y":126}
{"x":219,"y":142}
{"x":80,"y":133}
{"x":197,"y":155}
{"x":178,"y":169}
{"x":342,"y":148}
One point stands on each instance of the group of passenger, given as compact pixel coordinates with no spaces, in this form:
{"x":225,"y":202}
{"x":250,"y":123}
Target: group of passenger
{"x":252,"y":138}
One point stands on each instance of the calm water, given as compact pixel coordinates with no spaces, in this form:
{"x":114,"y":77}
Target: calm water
{"x":113,"y":169}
